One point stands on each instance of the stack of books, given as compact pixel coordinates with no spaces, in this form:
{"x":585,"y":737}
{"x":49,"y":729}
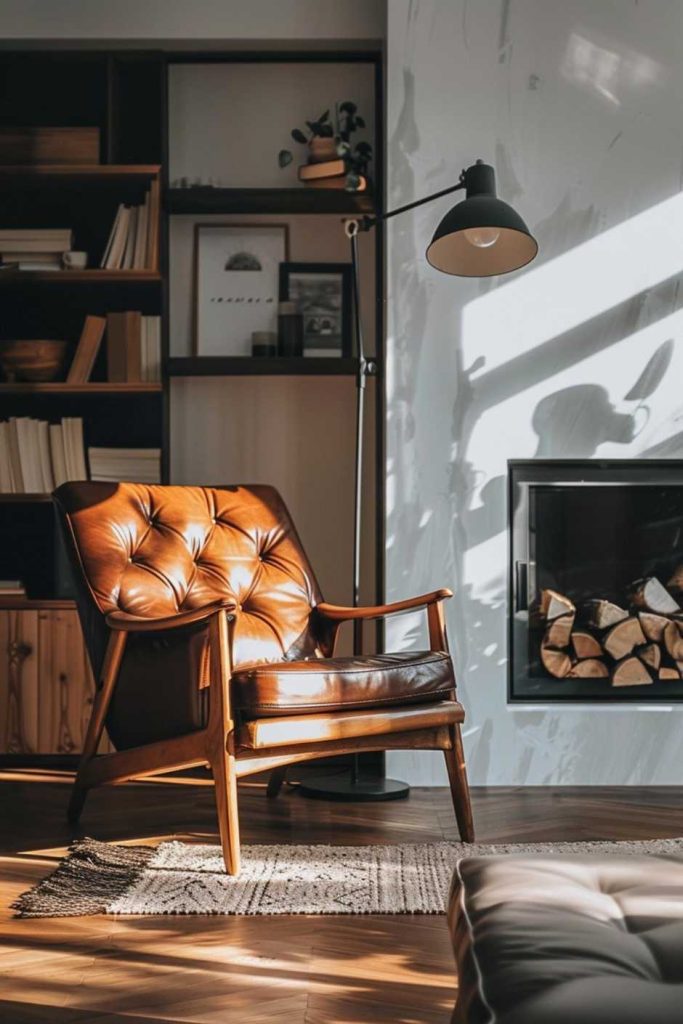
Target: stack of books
{"x":141,"y":465}
{"x":133,"y":347}
{"x":132,"y":239}
{"x":12,"y":588}
{"x":34,"y":248}
{"x":36,"y":456}
{"x":330,"y":174}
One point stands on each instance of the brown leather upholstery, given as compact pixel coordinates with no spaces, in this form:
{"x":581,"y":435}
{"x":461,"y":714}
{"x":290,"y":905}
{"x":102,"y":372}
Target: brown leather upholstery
{"x":340,"y":725}
{"x":296,"y":687}
{"x":153,"y":551}
{"x":563,"y":939}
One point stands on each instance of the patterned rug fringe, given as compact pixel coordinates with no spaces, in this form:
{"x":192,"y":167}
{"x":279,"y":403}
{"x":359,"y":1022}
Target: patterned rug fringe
{"x":188,"y":878}
{"x":86,"y":881}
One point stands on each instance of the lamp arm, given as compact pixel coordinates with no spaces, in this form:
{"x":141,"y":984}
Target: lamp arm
{"x":366,"y":223}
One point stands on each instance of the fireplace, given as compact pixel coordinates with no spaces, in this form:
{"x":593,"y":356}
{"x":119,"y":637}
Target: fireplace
{"x":596,"y":581}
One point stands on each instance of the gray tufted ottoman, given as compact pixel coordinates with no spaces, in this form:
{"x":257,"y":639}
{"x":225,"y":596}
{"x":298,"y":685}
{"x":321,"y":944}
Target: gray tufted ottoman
{"x":568,"y":940}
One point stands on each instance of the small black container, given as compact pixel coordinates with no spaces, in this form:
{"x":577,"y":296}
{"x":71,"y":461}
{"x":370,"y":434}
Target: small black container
{"x":263,"y":344}
{"x":290,"y":330}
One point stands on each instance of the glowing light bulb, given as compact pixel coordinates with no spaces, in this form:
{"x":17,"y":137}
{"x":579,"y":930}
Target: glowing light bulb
{"x":483,"y":238}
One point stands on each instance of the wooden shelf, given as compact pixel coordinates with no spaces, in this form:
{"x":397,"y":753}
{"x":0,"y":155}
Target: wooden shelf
{"x":80,"y":172}
{"x":266,"y":200}
{"x":24,"y":499}
{"x":39,"y":604}
{"x":92,"y":388}
{"x":229,"y":366}
{"x":60,"y":277}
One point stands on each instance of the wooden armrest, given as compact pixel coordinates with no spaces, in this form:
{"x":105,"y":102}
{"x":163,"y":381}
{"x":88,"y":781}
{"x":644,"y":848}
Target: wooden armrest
{"x":337,"y":613}
{"x":141,"y":624}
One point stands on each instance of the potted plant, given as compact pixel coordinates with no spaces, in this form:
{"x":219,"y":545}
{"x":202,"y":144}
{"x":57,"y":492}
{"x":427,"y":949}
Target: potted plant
{"x":326,"y":143}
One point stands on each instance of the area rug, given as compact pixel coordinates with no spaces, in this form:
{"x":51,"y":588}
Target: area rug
{"x":188,"y":878}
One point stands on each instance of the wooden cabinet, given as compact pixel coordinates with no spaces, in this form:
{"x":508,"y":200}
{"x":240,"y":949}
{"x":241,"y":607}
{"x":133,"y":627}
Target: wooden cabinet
{"x":46,"y":686}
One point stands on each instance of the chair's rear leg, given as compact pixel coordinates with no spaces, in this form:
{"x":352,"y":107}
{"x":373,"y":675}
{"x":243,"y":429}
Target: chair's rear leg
{"x":225,"y":780}
{"x":110,"y":668}
{"x":276,"y":781}
{"x":460,"y":790}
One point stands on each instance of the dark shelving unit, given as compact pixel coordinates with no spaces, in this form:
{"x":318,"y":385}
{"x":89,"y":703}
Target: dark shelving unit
{"x":200,"y":200}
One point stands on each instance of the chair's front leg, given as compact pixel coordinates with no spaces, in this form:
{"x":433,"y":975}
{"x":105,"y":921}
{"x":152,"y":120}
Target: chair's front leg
{"x":220,"y":742}
{"x":101,"y":701}
{"x":460,"y":790}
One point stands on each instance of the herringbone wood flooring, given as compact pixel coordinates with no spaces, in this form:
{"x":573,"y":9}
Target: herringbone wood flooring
{"x":257,"y":970}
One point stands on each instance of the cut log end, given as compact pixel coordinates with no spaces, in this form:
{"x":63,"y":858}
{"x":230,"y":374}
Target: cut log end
{"x":651,"y":595}
{"x":673,"y":640}
{"x":623,"y":637}
{"x":653,"y":626}
{"x":585,"y":645}
{"x":559,"y":631}
{"x":669,"y":674}
{"x":604,"y":614}
{"x":589,"y":668}
{"x":631,"y":672}
{"x":557,"y":663}
{"x":553,"y":605}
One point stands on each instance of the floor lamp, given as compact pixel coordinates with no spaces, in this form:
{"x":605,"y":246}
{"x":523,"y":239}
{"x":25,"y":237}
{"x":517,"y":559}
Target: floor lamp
{"x":479,"y":237}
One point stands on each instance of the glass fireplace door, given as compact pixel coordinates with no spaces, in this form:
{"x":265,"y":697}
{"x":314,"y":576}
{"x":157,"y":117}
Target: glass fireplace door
{"x":596,"y":580}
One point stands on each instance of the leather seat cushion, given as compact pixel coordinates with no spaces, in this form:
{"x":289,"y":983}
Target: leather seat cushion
{"x":595,"y":939}
{"x":300,"y":687}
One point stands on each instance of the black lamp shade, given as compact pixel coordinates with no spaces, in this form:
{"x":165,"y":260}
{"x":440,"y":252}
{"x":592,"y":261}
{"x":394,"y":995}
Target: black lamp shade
{"x":505,"y":242}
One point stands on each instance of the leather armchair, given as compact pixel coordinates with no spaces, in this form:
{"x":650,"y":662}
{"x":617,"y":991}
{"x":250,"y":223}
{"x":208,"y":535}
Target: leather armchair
{"x":211,"y":644}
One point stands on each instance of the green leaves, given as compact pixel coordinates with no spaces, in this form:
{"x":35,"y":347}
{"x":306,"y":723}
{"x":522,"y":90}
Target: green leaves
{"x":284,"y":158}
{"x":299,"y":136}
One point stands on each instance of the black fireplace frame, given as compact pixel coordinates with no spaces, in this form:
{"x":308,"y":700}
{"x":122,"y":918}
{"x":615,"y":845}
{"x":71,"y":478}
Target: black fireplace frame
{"x":590,"y":466}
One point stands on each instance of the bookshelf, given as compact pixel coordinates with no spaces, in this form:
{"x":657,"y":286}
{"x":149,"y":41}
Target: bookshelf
{"x":125,"y":94}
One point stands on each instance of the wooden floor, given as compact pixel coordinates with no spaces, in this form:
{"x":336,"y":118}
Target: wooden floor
{"x":255,"y":970}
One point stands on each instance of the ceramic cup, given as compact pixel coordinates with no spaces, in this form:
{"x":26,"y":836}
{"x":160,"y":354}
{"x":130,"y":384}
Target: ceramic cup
{"x":75,"y":260}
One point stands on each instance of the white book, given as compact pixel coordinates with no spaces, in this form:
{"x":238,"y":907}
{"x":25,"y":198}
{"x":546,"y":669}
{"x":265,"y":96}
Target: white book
{"x":73,"y":447}
{"x":140,"y":250}
{"x":118,"y":245}
{"x":104,"y":262}
{"x":72,"y":433}
{"x":29,"y":454}
{"x":45,"y":460}
{"x":35,"y":234}
{"x":6,"y":476}
{"x":155,"y":347}
{"x":57,"y":453}
{"x":129,"y":247}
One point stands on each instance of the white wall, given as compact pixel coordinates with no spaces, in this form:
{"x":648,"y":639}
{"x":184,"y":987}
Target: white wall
{"x":579,"y":106}
{"x":183,"y":20}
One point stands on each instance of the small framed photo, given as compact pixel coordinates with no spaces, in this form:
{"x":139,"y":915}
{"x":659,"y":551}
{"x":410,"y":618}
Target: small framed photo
{"x":236,"y":284}
{"x":322,"y":292}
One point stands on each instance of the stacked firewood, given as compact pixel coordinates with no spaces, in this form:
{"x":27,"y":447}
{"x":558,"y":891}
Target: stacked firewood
{"x":631,"y":646}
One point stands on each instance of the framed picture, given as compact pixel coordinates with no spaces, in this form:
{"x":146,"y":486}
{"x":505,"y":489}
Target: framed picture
{"x":322,"y":291}
{"x":236,"y":284}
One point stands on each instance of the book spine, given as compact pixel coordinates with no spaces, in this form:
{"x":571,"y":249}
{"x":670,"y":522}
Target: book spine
{"x":86,"y":351}
{"x":116,"y":348}
{"x":133,"y":346}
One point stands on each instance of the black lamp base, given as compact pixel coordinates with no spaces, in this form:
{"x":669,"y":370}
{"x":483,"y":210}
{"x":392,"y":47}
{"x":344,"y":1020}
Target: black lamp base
{"x":353,"y":789}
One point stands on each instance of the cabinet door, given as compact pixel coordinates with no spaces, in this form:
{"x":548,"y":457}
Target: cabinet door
{"x":46,"y":686}
{"x":19,"y":691}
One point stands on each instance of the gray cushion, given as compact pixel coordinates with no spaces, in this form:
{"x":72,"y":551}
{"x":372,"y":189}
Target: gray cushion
{"x":558,"y":940}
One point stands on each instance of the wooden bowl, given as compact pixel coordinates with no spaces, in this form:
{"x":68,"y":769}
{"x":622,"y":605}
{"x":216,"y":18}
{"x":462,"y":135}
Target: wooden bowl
{"x":29,"y":360}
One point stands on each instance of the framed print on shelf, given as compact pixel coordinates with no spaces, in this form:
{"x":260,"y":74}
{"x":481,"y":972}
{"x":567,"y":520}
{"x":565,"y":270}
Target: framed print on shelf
{"x":236,"y":284}
{"x":322,"y":292}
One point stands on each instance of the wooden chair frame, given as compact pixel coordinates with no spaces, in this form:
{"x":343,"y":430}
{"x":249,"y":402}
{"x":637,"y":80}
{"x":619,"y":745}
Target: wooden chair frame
{"x":215,"y":745}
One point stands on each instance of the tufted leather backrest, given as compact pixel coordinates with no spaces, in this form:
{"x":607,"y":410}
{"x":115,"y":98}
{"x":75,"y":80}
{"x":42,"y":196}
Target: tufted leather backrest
{"x":153,"y":550}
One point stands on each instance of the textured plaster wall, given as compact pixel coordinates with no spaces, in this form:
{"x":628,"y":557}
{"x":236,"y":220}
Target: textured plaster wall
{"x":579,"y":105}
